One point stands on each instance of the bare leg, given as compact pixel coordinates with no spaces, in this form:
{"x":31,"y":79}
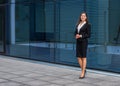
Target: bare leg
{"x":80,"y":62}
{"x":84,"y":62}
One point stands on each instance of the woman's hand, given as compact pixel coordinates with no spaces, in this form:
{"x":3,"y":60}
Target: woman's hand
{"x":78,"y":36}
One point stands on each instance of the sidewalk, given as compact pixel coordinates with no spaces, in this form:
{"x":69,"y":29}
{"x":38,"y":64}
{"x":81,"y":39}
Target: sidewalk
{"x":22,"y":72}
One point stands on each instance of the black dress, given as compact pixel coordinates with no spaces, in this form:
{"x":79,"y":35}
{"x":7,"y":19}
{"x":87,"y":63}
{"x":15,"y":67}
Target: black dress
{"x":82,"y":43}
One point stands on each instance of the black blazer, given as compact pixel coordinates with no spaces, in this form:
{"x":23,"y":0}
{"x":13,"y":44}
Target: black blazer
{"x":85,"y":31}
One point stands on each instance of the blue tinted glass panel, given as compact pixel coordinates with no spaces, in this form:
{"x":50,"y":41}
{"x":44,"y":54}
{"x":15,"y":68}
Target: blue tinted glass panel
{"x":19,"y":30}
{"x":67,"y":14}
{"x":42,"y":41}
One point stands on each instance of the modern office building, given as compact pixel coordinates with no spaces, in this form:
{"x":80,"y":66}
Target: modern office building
{"x":44,"y":30}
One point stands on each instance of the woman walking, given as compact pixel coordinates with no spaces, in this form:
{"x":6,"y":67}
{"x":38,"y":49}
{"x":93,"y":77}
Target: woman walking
{"x":82,"y":33}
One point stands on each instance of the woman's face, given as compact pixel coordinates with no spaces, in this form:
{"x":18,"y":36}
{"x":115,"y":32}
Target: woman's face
{"x":83,"y":17}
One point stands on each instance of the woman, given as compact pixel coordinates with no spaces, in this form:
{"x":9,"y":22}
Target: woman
{"x":82,"y":33}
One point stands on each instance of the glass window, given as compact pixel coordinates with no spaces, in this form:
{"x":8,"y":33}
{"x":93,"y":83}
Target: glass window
{"x":42,"y":44}
{"x":97,"y":49}
{"x":23,"y":1}
{"x":114,"y":34}
{"x":2,"y":1}
{"x":104,"y":44}
{"x":2,"y":28}
{"x":67,"y":14}
{"x":19,"y":31}
{"x":44,"y":30}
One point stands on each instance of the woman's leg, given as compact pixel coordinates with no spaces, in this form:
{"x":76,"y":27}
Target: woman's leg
{"x":80,"y":62}
{"x":84,"y":62}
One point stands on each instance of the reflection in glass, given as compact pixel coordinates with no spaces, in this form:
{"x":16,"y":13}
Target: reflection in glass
{"x":44,"y":30}
{"x":41,"y":46}
{"x":67,"y":16}
{"x":2,"y":27}
{"x":19,"y":30}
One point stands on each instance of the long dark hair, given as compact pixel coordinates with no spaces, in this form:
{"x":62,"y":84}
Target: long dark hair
{"x":79,"y":20}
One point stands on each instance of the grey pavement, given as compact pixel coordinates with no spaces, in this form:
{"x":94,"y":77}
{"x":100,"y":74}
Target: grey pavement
{"x":23,"y":72}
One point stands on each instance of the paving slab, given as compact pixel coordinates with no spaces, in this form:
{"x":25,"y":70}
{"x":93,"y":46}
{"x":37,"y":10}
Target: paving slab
{"x":24,"y":72}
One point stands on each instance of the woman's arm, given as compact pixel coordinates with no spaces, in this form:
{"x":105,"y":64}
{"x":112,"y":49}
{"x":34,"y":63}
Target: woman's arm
{"x":87,"y":33}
